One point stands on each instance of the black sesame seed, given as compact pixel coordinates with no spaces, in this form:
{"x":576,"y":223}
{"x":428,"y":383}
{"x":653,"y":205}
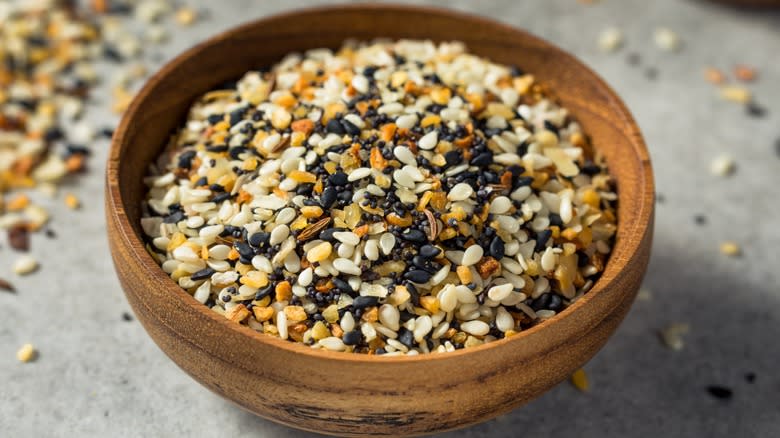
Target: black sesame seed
{"x":700,"y":219}
{"x":750,"y":377}
{"x":497,"y":248}
{"x":264,"y":292}
{"x":418,"y":276}
{"x":335,"y":127}
{"x":556,"y":303}
{"x":429,"y":251}
{"x":413,"y":235}
{"x":215,"y":118}
{"x":174,"y":218}
{"x":541,"y":240}
{"x":202,"y":274}
{"x":259,"y":238}
{"x":338,"y":179}
{"x":483,"y":159}
{"x":755,"y":110}
{"x":350,"y":128}
{"x":218,"y":199}
{"x":362,"y":302}
{"x":352,"y":338}
{"x":720,"y":392}
{"x":541,"y":302}
{"x":185,"y":159}
{"x":217,"y":148}
{"x":406,"y":337}
{"x":453,"y":157}
{"x":244,"y":250}
{"x":127,"y":317}
{"x":343,"y":286}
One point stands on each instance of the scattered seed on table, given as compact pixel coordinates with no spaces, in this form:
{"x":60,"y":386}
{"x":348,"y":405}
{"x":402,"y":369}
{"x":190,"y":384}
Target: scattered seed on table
{"x":72,"y":201}
{"x":730,"y":248}
{"x":666,"y":39}
{"x":19,"y":238}
{"x":672,"y":335}
{"x":720,"y":392}
{"x":127,"y":317}
{"x":700,"y":219}
{"x":750,"y":377}
{"x":634,"y":59}
{"x":735,"y":93}
{"x":714,"y":76}
{"x":745,"y":73}
{"x":580,"y":380}
{"x":186,"y":16}
{"x":6,"y":286}
{"x":651,"y":73}
{"x":755,"y":109}
{"x":610,"y":39}
{"x":644,"y":294}
{"x":722,"y":165}
{"x":26,"y":354}
{"x":25,"y":265}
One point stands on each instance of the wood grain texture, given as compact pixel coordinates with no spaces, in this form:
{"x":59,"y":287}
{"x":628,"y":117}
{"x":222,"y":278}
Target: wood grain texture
{"x":355,"y":395}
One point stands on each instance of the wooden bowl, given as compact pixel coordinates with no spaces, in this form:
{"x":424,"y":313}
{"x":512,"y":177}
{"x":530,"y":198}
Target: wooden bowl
{"x":352,"y":394}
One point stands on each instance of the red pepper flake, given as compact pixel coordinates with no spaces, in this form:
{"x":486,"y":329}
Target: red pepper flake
{"x":745,"y":73}
{"x":19,"y":238}
{"x":6,"y":286}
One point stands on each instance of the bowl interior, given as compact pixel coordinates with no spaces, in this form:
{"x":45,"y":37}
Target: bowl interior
{"x":162,"y":104}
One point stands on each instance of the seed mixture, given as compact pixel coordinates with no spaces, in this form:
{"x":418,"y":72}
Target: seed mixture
{"x":388,"y":198}
{"x":49,"y":51}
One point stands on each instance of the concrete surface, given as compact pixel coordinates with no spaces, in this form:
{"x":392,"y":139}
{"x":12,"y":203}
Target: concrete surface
{"x":98,"y":375}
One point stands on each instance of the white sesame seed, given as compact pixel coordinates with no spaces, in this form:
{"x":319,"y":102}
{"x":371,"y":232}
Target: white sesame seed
{"x":722,"y":165}
{"x":465,"y":295}
{"x":500,"y":205}
{"x":347,"y":237}
{"x":389,"y":316}
{"x":360,"y":83}
{"x":406,"y":121}
{"x":422,"y":327}
{"x":476,"y":327}
{"x":346,"y":266}
{"x":610,"y":39}
{"x":358,"y":174}
{"x":25,"y":265}
{"x":666,"y":39}
{"x":386,"y":243}
{"x":371,"y":250}
{"x":460,"y":192}
{"x":403,"y":178}
{"x":332,"y":343}
{"x":405,"y":155}
{"x":498,"y":293}
{"x":472,"y":255}
{"x":549,"y":259}
{"x":347,"y":322}
{"x":504,"y":320}
{"x":278,"y":234}
{"x":429,"y":140}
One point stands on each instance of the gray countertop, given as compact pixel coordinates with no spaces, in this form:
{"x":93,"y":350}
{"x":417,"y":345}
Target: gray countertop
{"x":98,"y":375}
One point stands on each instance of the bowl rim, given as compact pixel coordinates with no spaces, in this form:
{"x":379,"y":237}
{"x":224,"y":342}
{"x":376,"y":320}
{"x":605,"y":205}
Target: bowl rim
{"x":643,"y":218}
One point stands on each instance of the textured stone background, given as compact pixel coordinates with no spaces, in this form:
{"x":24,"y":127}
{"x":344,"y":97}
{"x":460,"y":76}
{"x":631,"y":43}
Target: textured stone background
{"x":98,"y":375}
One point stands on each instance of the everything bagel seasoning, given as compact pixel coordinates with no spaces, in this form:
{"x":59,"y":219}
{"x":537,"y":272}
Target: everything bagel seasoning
{"x":387,"y":198}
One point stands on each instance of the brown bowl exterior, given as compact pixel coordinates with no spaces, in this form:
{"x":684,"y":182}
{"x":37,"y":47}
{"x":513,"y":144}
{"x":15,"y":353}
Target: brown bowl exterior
{"x":348,"y":394}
